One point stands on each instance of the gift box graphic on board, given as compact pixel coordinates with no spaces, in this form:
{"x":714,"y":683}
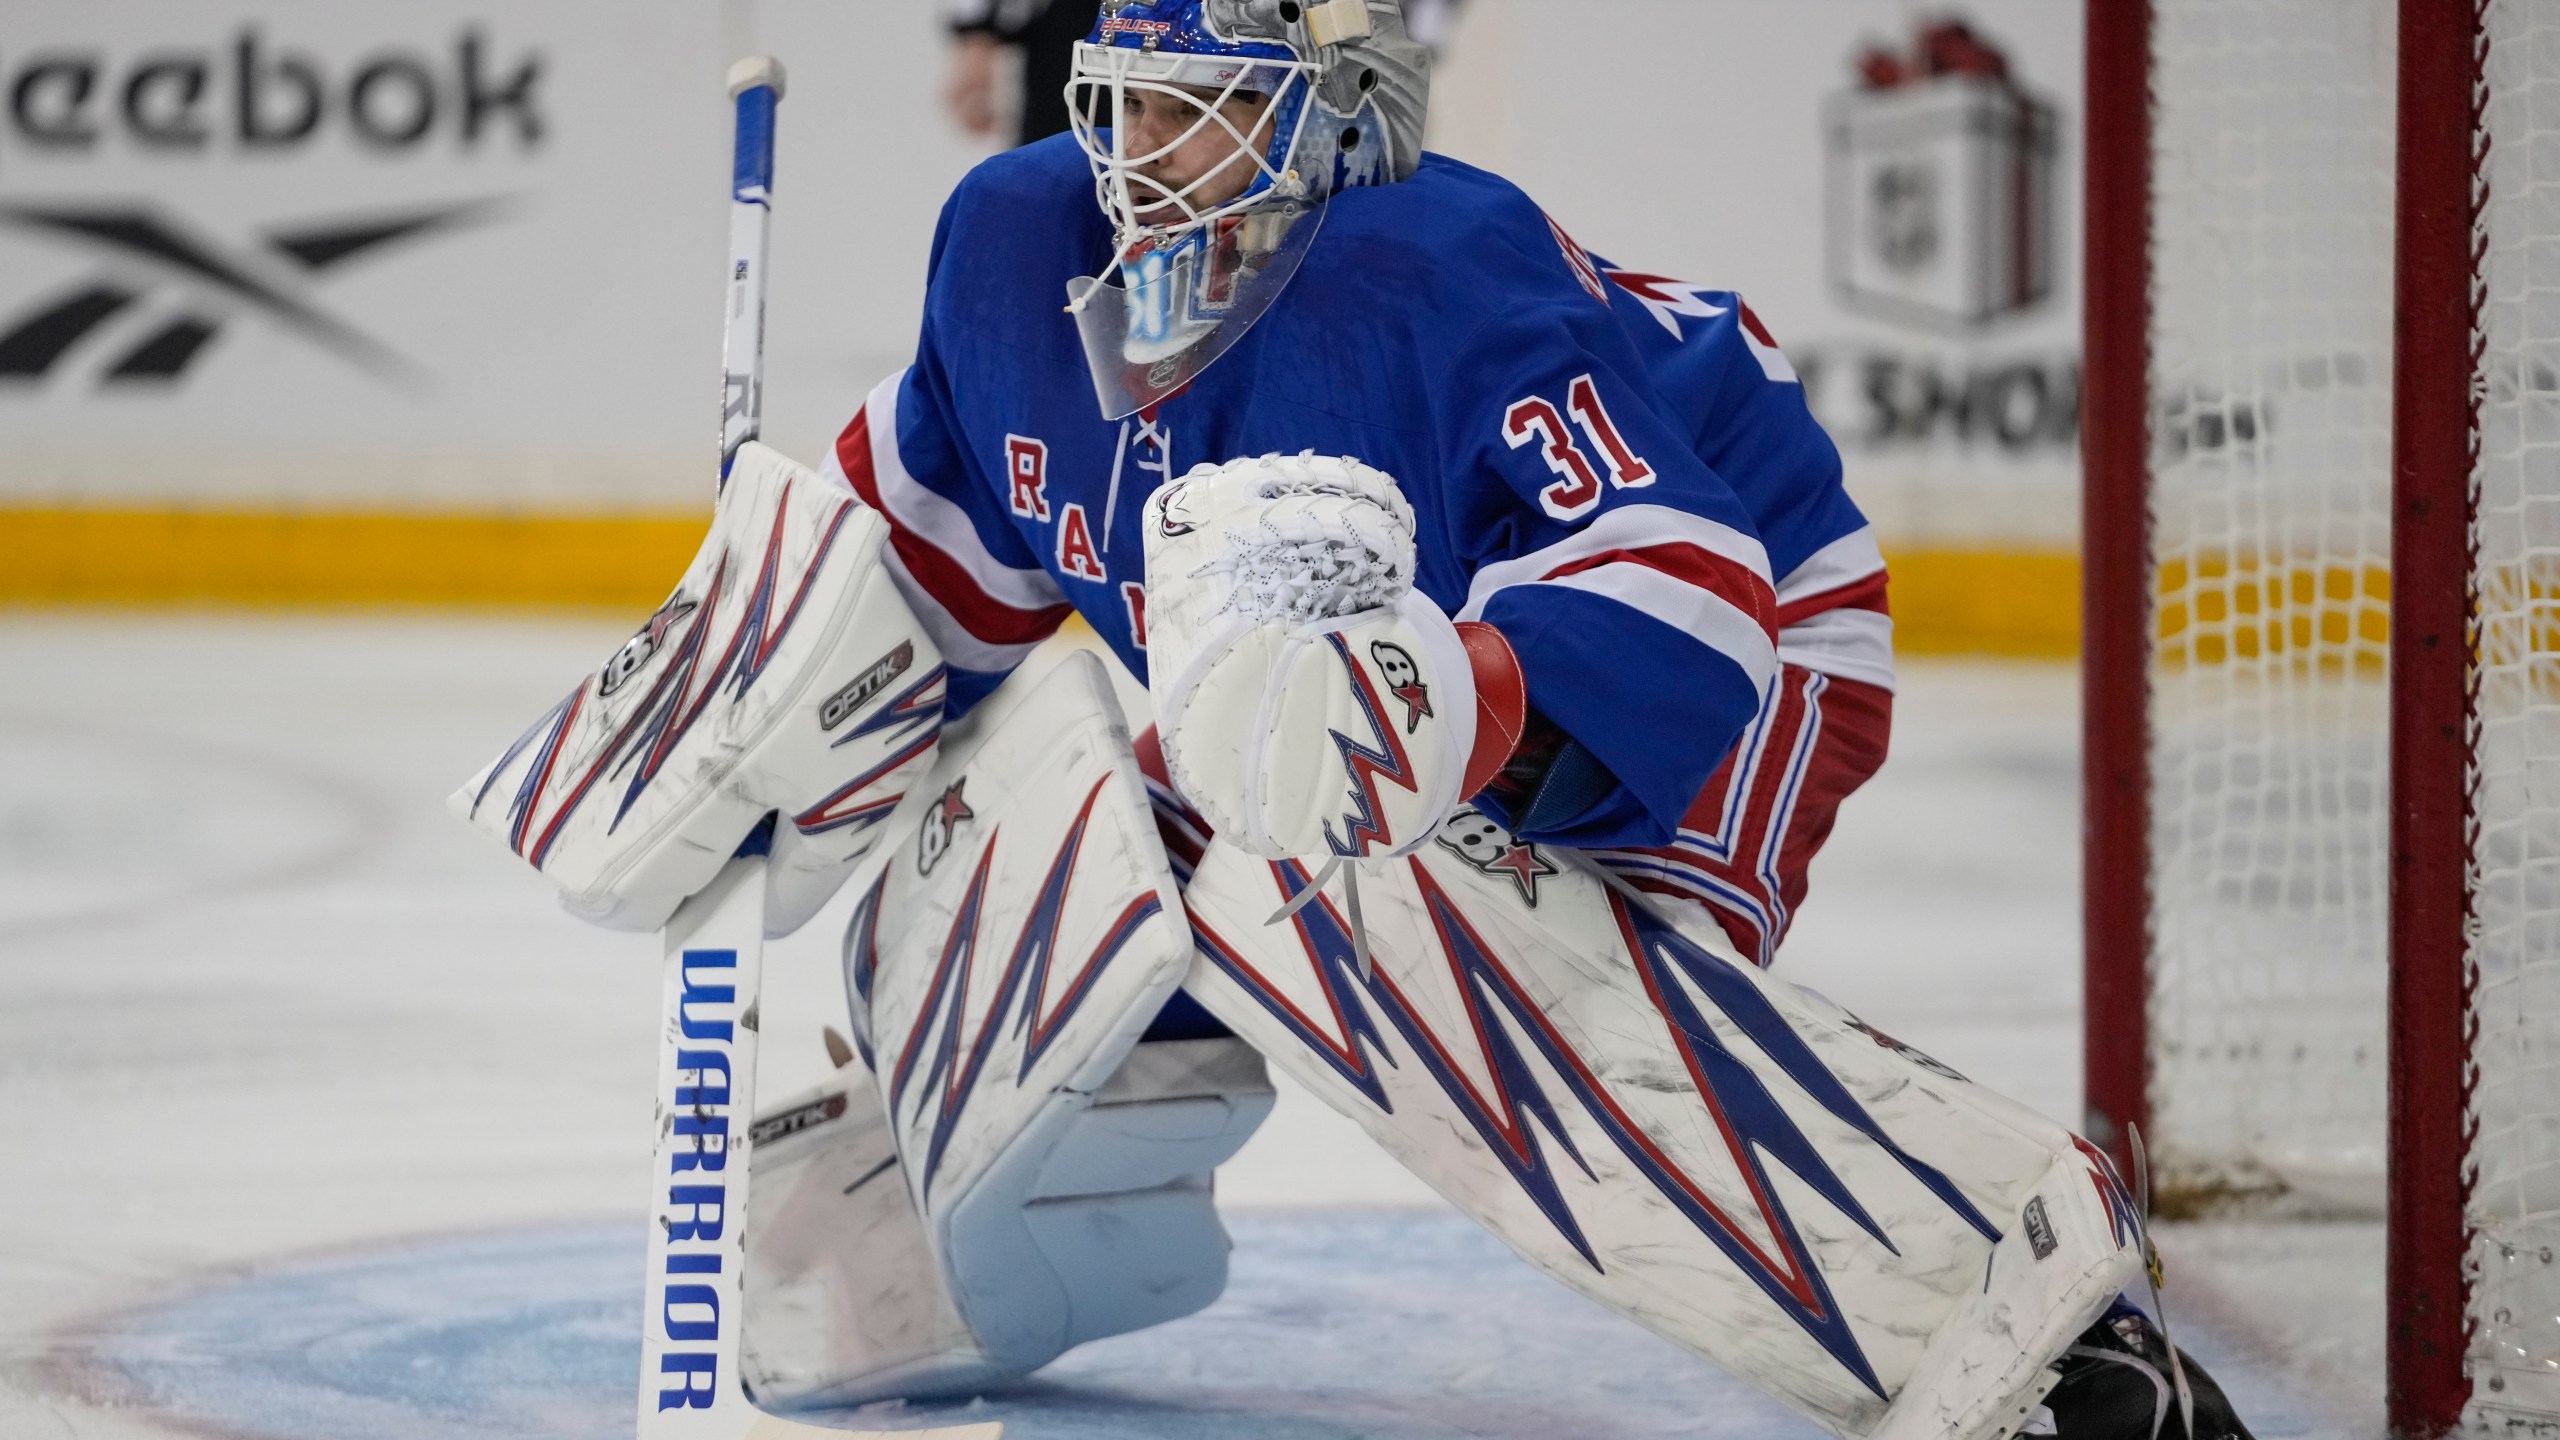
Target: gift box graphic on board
{"x":1939,"y":180}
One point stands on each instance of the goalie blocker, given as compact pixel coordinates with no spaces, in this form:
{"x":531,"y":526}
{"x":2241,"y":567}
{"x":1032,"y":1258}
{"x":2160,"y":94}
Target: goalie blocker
{"x":783,"y":676}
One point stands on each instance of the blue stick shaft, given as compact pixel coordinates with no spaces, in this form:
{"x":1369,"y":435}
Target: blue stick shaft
{"x":756,"y":86}
{"x":757,"y":107}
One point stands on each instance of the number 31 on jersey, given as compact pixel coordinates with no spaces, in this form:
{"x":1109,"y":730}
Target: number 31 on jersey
{"x":1535,"y":419}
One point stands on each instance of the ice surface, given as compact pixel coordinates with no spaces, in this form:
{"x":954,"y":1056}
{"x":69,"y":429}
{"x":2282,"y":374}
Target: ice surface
{"x":320,"y":1109}
{"x":1336,"y":1324}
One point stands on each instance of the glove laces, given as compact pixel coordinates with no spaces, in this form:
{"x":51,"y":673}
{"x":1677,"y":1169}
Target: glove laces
{"x":1351,"y":904}
{"x":1337,"y":551}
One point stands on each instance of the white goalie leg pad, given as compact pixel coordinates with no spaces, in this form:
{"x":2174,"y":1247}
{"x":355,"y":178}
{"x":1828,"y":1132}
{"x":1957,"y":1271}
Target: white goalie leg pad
{"x":1309,"y":700}
{"x":1021,"y":936}
{"x":846,"y":1302}
{"x":841,"y":1290}
{"x":1724,"y":1157}
{"x":2055,"y":1272}
{"x":784,"y":675}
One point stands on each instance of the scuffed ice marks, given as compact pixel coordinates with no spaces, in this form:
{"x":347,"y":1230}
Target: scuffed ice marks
{"x":534,"y":1333}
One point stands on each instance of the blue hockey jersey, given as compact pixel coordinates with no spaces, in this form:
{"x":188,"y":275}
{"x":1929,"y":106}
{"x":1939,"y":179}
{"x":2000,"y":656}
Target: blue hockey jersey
{"x":1615,"y":469}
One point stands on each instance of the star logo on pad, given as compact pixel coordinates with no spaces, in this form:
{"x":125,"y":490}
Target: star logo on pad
{"x":1524,"y":865}
{"x":1489,"y":849}
{"x":934,"y":840}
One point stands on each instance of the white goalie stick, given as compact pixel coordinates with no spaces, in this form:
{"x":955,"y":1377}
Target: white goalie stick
{"x":690,"y":1386}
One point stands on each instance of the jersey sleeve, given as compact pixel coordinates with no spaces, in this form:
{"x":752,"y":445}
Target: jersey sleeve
{"x":1756,"y":430}
{"x":961,"y":566}
{"x":1624,"y":571}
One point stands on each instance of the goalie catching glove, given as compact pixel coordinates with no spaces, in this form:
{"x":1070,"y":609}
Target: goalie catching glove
{"x":784,"y":676}
{"x":1310,"y":701}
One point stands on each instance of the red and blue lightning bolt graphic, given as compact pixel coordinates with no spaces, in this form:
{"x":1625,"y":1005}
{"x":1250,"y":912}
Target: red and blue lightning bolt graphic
{"x":1362,"y":829}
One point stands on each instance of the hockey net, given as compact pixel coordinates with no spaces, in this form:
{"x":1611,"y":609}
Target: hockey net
{"x":2262,"y":1079}
{"x":2515,"y":807}
{"x":2270,"y":501}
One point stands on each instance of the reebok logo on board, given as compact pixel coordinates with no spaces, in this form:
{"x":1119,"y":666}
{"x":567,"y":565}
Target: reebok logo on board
{"x":254,"y":95}
{"x":162,"y":293}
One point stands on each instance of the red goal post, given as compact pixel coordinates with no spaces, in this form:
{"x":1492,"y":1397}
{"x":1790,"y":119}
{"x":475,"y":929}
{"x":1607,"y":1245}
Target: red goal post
{"x":2321,"y":653}
{"x":2435,"y":453}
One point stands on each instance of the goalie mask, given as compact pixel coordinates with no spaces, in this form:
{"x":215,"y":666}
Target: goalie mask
{"x":1341,"y":89}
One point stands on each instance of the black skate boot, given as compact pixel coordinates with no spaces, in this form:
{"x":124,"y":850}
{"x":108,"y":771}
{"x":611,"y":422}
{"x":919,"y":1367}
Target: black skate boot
{"x":2116,"y":1385}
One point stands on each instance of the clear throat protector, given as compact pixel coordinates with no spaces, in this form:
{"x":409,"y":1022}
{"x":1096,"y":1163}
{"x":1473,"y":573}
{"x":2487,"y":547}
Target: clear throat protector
{"x":1164,"y":311}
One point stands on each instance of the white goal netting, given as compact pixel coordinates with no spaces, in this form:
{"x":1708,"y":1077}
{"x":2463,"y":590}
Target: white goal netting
{"x":2271,"y":332}
{"x":2271,"y":236}
{"x":2515,"y":951}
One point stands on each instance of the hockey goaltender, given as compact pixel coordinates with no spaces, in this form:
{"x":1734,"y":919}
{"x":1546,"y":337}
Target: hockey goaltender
{"x":1511,"y":644}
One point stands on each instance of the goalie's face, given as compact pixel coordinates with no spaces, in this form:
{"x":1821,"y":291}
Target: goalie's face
{"x":1204,"y":148}
{"x":1179,"y":139}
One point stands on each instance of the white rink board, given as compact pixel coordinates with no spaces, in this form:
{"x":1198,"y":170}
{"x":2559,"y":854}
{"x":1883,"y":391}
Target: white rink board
{"x":1690,"y":138}
{"x":553,"y":349}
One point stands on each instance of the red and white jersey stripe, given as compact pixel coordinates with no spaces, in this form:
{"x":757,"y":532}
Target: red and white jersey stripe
{"x":985,"y":614}
{"x":1764,"y":347}
{"x":1744,"y":848}
{"x":1706,"y":580}
{"x":1832,"y":612}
